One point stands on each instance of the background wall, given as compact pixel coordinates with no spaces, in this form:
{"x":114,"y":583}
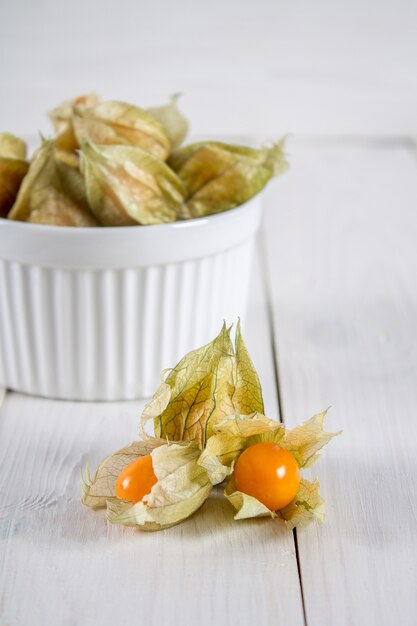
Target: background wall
{"x":244,"y":67}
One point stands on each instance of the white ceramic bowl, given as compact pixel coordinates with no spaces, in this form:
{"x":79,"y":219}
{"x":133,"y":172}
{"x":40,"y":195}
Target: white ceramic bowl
{"x":98,"y":313}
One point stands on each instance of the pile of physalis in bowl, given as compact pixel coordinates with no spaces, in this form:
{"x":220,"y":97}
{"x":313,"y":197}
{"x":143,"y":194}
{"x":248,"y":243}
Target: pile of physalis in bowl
{"x":115,"y":164}
{"x":210,"y":427}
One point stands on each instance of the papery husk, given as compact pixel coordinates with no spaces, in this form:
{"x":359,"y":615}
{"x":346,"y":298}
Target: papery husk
{"x":154,"y":408}
{"x":13,"y":169}
{"x":306,"y":440}
{"x":195,"y":401}
{"x":126,"y":185}
{"x":182,"y":487}
{"x":52,"y":193}
{"x":97,"y":490}
{"x":119,"y":123}
{"x":70,"y":158}
{"x":172,"y":120}
{"x":218,"y":176}
{"x":233,"y":435}
{"x":12,"y":173}
{"x":62,"y":119}
{"x":207,"y":385}
{"x":307,"y":506}
{"x":12,"y":147}
{"x":239,"y":432}
{"x":245,"y":505}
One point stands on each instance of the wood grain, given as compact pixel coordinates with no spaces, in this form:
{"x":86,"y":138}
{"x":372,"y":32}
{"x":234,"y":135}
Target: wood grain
{"x":341,"y":238}
{"x":61,"y":563}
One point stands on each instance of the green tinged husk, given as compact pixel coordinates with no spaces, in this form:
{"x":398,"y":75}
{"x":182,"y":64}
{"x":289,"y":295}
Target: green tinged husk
{"x":207,"y":385}
{"x":207,"y":410}
{"x":239,"y":432}
{"x":13,"y":168}
{"x":52,"y":193}
{"x":119,"y":123}
{"x":218,"y":176}
{"x":126,"y":185}
{"x":97,"y":490}
{"x":134,"y":168}
{"x":182,"y":487}
{"x":62,"y":118}
{"x":172,"y":120}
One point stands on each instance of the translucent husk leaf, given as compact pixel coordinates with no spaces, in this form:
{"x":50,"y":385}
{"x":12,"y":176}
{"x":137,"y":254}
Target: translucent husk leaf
{"x":52,"y":192}
{"x":182,"y":487}
{"x":70,"y":158}
{"x":237,"y":432}
{"x":153,"y":409}
{"x":218,"y":176}
{"x":97,"y":490}
{"x":12,"y":172}
{"x":194,"y":384}
{"x":246,"y":506}
{"x":119,"y":123}
{"x":306,"y":506}
{"x":247,"y":396}
{"x":62,"y":120}
{"x":127,"y":185}
{"x":13,"y":168}
{"x":306,"y":440}
{"x":12,"y":147}
{"x":231,"y":436}
{"x":207,"y":385}
{"x":173,"y":121}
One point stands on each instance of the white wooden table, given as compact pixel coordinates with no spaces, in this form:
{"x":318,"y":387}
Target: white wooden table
{"x":333,"y":319}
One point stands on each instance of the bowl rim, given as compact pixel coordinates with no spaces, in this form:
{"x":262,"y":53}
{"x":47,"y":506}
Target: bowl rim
{"x":179,"y":224}
{"x":128,"y":246}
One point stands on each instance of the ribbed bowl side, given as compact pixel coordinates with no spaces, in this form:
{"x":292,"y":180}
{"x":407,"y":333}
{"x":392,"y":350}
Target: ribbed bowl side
{"x":108,"y":334}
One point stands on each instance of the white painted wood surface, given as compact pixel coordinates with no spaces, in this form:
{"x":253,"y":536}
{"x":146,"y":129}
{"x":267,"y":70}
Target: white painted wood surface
{"x":61,"y":563}
{"x":342,"y":255}
{"x":340,"y":258}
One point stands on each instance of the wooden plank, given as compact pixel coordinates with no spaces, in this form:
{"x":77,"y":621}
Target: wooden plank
{"x":341,"y":233}
{"x":61,"y":563}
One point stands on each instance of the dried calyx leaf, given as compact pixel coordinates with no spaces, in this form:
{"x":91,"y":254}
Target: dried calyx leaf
{"x":13,"y":168}
{"x":197,"y":406}
{"x":127,"y":185}
{"x":12,"y":147}
{"x":182,"y":487}
{"x":97,"y":490}
{"x":52,"y":193}
{"x":119,"y":123}
{"x":238,"y":432}
{"x":245,"y":505}
{"x":70,"y":158}
{"x":207,"y":385}
{"x":218,"y":176}
{"x":306,"y":440}
{"x":306,"y":506}
{"x":173,"y":121}
{"x":62,"y":119}
{"x":233,"y":435}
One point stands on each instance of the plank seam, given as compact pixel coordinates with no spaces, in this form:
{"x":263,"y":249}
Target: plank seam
{"x":266,"y":284}
{"x":3,"y":393}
